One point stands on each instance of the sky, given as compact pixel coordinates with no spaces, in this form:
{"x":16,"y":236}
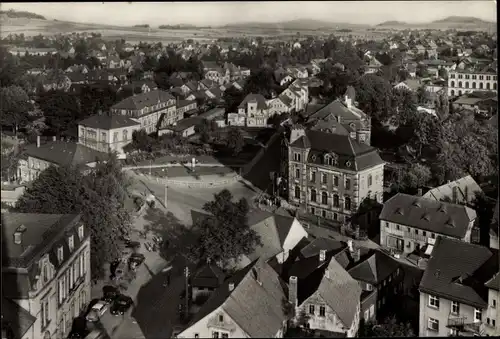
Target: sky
{"x":222,"y":13}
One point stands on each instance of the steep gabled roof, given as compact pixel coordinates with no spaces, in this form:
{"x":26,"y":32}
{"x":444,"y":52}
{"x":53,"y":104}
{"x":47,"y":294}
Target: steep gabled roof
{"x":458,"y":271}
{"x":259,"y":98}
{"x":142,"y":100}
{"x":466,"y":187}
{"x":64,"y":153}
{"x":17,"y":319}
{"x":374,"y":269}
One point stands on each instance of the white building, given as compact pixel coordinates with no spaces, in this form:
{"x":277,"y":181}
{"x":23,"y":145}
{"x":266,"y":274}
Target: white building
{"x":463,"y":81}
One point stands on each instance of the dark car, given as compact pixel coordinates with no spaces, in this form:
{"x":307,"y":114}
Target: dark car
{"x":121,"y":304}
{"x":136,"y":259}
{"x":109,"y":293}
{"x":133,"y":244}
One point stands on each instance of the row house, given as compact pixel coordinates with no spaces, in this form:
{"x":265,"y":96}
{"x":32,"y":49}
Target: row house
{"x":342,"y":117}
{"x":329,"y":174}
{"x":149,"y":109}
{"x":459,"y":291}
{"x":37,"y":158}
{"x":107,"y":133}
{"x":279,"y":105}
{"x":466,"y":81}
{"x":45,"y":273}
{"x":411,"y":223}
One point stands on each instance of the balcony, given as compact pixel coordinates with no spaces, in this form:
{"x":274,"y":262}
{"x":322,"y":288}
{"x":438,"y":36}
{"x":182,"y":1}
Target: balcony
{"x":465,"y":326}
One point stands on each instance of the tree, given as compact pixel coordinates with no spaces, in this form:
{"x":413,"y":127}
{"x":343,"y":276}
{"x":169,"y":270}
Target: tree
{"x":205,"y":128}
{"x":61,"y":110}
{"x":232,"y":98}
{"x":389,"y":328}
{"x":14,"y":107}
{"x":98,"y":196}
{"x":484,"y":207}
{"x":142,"y":141}
{"x":416,"y":176}
{"x":235,"y":141}
{"x":225,"y":234}
{"x":374,"y":95}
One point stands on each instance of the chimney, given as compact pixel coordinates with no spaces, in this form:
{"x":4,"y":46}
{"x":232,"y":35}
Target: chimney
{"x":348,"y":102}
{"x":322,"y":255}
{"x":350,"y":246}
{"x":37,"y":141}
{"x":231,"y":287}
{"x":455,"y":194}
{"x":419,"y":192}
{"x":327,"y":273}
{"x":355,"y":252}
{"x":292,"y":290}
{"x":18,"y":235}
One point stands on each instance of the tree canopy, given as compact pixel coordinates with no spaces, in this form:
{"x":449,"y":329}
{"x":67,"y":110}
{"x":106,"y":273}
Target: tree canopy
{"x":14,"y":107}
{"x":225,"y":233}
{"x":389,"y":328}
{"x":235,"y":140}
{"x":100,"y":198}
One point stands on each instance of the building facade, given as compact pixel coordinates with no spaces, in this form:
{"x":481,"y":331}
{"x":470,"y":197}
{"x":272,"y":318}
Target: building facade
{"x":148,"y":109}
{"x":330,"y":175}
{"x":107,"y":133}
{"x":47,"y":271}
{"x":463,"y":81}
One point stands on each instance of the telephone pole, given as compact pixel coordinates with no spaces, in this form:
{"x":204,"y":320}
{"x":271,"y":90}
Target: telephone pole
{"x":186,"y":309}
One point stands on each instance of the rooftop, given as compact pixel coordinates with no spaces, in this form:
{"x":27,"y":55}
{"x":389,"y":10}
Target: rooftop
{"x":458,"y":271}
{"x":428,"y":214}
{"x":64,"y":153}
{"x":142,"y":100}
{"x":108,"y":122}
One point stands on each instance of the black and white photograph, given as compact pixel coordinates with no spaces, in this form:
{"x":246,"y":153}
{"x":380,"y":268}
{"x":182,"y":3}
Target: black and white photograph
{"x":249,"y":169}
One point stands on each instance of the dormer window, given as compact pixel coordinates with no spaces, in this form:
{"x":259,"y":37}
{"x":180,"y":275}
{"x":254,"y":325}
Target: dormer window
{"x":60,"y":254}
{"x":80,"y":232}
{"x":71,"y":243}
{"x":221,"y":318}
{"x":18,"y":234}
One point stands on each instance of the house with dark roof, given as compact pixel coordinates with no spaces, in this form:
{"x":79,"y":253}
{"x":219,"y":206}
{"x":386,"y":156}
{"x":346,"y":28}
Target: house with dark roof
{"x":329,"y":297}
{"x":342,"y":115}
{"x":409,"y":223}
{"x":492,"y":314}
{"x":249,"y":304}
{"x":254,"y":107}
{"x":206,"y":280}
{"x":56,"y":153}
{"x":107,"y":133}
{"x":329,"y":175}
{"x":454,"y":289}
{"x":149,"y":108}
{"x":45,"y":273}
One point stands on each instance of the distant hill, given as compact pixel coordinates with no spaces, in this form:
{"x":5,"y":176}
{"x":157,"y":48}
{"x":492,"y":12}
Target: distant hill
{"x":21,"y":14}
{"x":451,"y":22}
{"x":179,"y":26}
{"x":299,"y":24}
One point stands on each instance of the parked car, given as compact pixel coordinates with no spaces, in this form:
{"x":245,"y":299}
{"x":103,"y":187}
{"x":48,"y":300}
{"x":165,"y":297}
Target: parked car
{"x":109,"y":293}
{"x":121,"y":304}
{"x":97,"y":311}
{"x":136,"y":259}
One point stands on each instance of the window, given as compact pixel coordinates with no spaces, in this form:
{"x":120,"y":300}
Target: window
{"x":115,"y":137}
{"x":196,"y":335}
{"x":477,"y":314}
{"x":433,"y":301}
{"x":455,"y":307}
{"x":336,"y":200}
{"x":297,"y":192}
{"x":322,"y":311}
{"x":369,"y":180}
{"x":313,"y":195}
{"x":493,"y":303}
{"x":336,"y":180}
{"x":84,"y":259}
{"x":80,"y":232}
{"x":125,"y":135}
{"x":311,"y":309}
{"x":71,"y":243}
{"x":297,"y":173}
{"x":367,"y":315}
{"x":313,"y":176}
{"x":60,"y":254}
{"x":221,"y":318}
{"x":386,"y":224}
{"x":397,"y":227}
{"x":433,"y":235}
{"x":60,"y":290}
{"x":424,"y":233}
{"x":103,"y":136}
{"x":296,"y":156}
{"x":347,"y":184}
{"x":323,"y":213}
{"x":324,"y":178}
{"x":324,"y":198}
{"x":335,"y":216}
{"x":347,"y":203}
{"x":433,"y":324}
{"x":44,"y":313}
{"x":493,"y":323}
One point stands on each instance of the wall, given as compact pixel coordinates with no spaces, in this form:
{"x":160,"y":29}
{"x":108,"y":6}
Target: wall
{"x":369,"y":304}
{"x":492,"y":313}
{"x":441,"y":315}
{"x":296,"y":233}
{"x":330,"y":322}
{"x":206,"y":182}
{"x":109,"y":143}
{"x":203,"y":328}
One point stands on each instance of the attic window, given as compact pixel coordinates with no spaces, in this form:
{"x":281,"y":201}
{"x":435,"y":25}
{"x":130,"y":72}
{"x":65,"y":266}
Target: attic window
{"x":221,"y":318}
{"x":442,"y":208}
{"x":399,"y":211}
{"x":313,"y":158}
{"x":426,"y":217}
{"x":450,"y":223}
{"x":348,"y":164}
{"x":417,"y":203}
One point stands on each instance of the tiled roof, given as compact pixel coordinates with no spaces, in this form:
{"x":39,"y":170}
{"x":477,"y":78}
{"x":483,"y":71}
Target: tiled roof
{"x":358,"y":156}
{"x":338,"y":109}
{"x":467,"y":187}
{"x":208,"y":276}
{"x":147,"y":99}
{"x":429,"y":215}
{"x":64,"y":153}
{"x":374,"y":269}
{"x":256,"y":306}
{"x":458,"y":271}
{"x":208,"y":83}
{"x":494,"y":283}
{"x":318,"y":244}
{"x":108,"y":122}
{"x":259,"y":98}
{"x":17,"y":319}
{"x":216,"y":92}
{"x":341,"y":292}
